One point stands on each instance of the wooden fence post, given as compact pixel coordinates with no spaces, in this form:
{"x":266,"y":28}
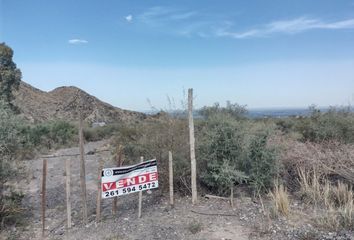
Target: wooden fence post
{"x":170,"y":169}
{"x":82,"y":168}
{"x":44,"y":186}
{"x":99,"y":192}
{"x":119,"y":162}
{"x":140,"y":195}
{"x":68,"y":200}
{"x":192,"y":147}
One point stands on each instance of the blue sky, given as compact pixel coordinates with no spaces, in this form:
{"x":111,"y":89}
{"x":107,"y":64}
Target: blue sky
{"x":260,"y":53}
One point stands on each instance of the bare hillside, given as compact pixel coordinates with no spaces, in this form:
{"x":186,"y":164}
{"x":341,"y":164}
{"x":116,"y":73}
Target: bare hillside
{"x":61,"y":103}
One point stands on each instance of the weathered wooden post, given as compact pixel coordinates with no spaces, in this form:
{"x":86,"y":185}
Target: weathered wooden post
{"x":99,"y":192}
{"x":82,"y":168}
{"x":192,"y":147}
{"x":68,"y":201}
{"x":119,"y":162}
{"x":140,"y":195}
{"x":170,"y":170}
{"x":44,"y":186}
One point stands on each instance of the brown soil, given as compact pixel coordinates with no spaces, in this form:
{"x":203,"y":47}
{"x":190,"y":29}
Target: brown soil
{"x":159,"y":220}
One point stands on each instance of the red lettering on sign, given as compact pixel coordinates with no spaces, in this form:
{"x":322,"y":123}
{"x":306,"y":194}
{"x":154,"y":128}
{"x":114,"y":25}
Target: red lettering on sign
{"x":131,"y":181}
{"x":120,"y":183}
{"x":109,"y":186}
{"x":153,"y":176}
{"x":126,"y":182}
{"x":149,"y":177}
{"x":142,"y":179}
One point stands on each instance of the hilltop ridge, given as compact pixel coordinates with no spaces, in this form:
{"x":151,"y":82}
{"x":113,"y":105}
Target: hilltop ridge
{"x":61,"y":104}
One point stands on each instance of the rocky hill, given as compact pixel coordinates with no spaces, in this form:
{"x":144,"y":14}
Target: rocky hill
{"x":63,"y":103}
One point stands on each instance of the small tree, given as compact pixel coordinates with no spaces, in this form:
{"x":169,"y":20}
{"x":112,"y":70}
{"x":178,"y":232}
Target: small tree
{"x":261,"y":165}
{"x":234,"y":150}
{"x":9,"y":140}
{"x":10,"y":75}
{"x":222,"y":148}
{"x":225,"y":175}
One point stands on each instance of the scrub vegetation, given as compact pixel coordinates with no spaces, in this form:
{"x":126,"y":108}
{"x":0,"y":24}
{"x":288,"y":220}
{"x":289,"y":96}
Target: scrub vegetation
{"x":304,"y":158}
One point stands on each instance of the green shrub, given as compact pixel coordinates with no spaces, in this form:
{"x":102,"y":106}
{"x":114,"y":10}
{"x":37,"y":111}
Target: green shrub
{"x":230,"y":149}
{"x":335,"y":124}
{"x":153,"y":139}
{"x":61,"y":132}
{"x":222,"y":150}
{"x":232,"y":110}
{"x":233,"y":151}
{"x":223,"y":176}
{"x":10,"y":201}
{"x":285,"y":125}
{"x":50,"y":135}
{"x":9,"y":130}
{"x":36,"y":135}
{"x":261,"y":165}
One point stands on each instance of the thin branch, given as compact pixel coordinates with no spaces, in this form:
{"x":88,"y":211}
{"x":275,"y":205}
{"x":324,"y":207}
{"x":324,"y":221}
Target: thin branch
{"x":215,"y":214}
{"x":73,"y":155}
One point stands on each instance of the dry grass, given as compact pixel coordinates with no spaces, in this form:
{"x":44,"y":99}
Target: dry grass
{"x":330,"y":158}
{"x":310,"y":187}
{"x":336,"y":200}
{"x":280,"y":199}
{"x":339,"y":208}
{"x":342,"y":194}
{"x":325,"y":173}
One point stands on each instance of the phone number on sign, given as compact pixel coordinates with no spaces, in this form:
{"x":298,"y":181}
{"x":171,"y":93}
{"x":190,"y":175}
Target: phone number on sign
{"x":127,"y":190}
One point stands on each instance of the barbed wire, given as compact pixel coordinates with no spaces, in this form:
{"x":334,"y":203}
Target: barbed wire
{"x":76,"y":154}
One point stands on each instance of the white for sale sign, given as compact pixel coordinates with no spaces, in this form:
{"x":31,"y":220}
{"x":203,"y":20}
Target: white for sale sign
{"x":129,"y":179}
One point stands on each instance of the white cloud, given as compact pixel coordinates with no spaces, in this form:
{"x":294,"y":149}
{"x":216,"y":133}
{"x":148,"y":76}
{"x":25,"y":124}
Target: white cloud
{"x":77,"y":41}
{"x":176,"y":21}
{"x":129,"y":18}
{"x":192,"y":23}
{"x":293,"y":26}
{"x":157,"y":16}
{"x":183,"y":15}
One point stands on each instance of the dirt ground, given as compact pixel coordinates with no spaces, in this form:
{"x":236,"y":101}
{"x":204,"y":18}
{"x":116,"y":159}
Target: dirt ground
{"x":205,"y":220}
{"x":159,"y":220}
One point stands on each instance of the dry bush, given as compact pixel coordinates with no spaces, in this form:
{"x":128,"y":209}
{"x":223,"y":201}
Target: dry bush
{"x":332,"y":159}
{"x":11,"y":211}
{"x":153,"y":138}
{"x":336,"y":200}
{"x":339,"y":208}
{"x":310,"y":188}
{"x":280,"y":200}
{"x":342,"y":194}
{"x":338,"y":217}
